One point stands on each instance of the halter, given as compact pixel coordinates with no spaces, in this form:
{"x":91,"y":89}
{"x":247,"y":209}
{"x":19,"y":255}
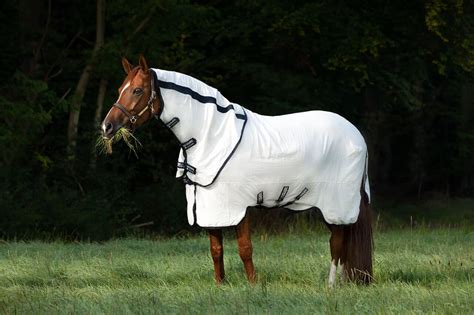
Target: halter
{"x":133,"y":118}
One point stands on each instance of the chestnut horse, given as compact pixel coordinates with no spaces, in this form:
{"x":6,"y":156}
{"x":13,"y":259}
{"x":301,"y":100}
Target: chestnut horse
{"x":140,"y":99}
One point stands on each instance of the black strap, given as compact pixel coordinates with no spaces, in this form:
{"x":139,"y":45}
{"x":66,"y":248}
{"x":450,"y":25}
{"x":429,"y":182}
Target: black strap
{"x":305,"y":190}
{"x":124,"y":110}
{"x":200,"y":98}
{"x":188,"y":144}
{"x":186,"y":180}
{"x":283,"y":193}
{"x":170,"y":124}
{"x":187,"y":167}
{"x":260,"y":198}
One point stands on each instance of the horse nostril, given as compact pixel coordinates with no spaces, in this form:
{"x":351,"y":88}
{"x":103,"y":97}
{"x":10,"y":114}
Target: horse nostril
{"x":107,"y":129}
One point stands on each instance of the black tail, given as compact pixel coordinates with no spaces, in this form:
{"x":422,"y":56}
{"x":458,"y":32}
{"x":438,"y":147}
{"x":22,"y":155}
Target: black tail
{"x":358,"y":244}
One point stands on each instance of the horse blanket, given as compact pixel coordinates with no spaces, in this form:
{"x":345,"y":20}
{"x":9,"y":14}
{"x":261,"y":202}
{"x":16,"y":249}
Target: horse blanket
{"x":232,"y":158}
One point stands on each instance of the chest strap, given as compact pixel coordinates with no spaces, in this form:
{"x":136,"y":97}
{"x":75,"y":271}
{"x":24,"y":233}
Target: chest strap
{"x":170,"y":124}
{"x":188,"y":144}
{"x":187,"y":167}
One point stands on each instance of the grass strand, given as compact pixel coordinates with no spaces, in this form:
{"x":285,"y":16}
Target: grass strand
{"x":104,"y":145}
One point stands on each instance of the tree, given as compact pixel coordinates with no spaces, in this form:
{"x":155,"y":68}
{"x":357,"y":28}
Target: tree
{"x":81,"y":87}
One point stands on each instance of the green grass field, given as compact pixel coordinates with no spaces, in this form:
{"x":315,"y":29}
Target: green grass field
{"x":416,"y":271}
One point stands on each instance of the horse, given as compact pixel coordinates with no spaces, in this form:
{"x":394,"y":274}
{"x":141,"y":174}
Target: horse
{"x":232,"y":158}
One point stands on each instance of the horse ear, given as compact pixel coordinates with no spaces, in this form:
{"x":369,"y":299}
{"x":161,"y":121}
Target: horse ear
{"x":143,"y":63}
{"x":127,"y":67}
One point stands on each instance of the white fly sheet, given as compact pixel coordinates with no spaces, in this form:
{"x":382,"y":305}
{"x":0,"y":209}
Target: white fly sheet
{"x":232,"y":158}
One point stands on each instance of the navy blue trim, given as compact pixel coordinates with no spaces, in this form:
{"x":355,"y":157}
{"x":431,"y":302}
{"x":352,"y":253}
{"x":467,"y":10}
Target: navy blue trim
{"x":194,"y":208}
{"x":198,"y":97}
{"x":228,"y":158}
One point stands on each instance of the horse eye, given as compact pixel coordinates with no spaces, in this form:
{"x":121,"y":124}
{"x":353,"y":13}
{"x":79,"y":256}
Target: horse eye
{"x":138,"y":91}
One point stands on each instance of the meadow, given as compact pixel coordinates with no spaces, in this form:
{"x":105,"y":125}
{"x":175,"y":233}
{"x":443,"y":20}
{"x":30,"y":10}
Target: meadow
{"x":417,"y":270}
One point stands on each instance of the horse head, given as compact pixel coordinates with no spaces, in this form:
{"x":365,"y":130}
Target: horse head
{"x":137,"y":101}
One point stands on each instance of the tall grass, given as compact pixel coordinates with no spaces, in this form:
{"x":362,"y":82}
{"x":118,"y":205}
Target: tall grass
{"x":416,"y":271}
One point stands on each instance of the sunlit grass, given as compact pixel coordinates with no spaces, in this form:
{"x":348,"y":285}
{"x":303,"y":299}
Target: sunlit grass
{"x":104,"y":145}
{"x":416,"y":271}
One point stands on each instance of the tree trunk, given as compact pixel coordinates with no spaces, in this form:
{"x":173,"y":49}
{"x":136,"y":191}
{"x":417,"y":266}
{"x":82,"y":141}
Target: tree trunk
{"x":81,"y":87}
{"x":98,"y":116}
{"x":30,"y":15}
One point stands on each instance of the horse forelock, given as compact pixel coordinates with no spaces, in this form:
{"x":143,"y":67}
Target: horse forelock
{"x":130,"y":77}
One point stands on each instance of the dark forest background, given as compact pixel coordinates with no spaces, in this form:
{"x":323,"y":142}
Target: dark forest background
{"x":401,"y":71}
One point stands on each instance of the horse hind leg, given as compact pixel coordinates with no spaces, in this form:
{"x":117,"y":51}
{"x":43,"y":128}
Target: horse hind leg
{"x":336,"y":243}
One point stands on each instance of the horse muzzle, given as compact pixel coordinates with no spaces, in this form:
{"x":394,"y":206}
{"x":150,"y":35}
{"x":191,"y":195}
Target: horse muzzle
{"x":108,"y":129}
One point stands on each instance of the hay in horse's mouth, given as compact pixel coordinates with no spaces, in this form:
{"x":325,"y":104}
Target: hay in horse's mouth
{"x":104,"y":145}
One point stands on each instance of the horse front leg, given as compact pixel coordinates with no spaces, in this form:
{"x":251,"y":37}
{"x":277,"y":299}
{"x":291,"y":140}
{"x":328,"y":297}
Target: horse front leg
{"x":217,"y":253}
{"x":245,"y":248}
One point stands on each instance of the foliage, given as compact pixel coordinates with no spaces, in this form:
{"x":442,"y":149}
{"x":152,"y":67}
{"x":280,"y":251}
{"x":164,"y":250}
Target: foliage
{"x":416,"y":271}
{"x":402,"y":72}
